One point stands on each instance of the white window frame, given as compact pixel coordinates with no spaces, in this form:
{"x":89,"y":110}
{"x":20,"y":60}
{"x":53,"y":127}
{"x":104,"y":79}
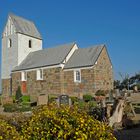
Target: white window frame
{"x":77,"y":78}
{"x":39,"y":74}
{"x":23,"y":76}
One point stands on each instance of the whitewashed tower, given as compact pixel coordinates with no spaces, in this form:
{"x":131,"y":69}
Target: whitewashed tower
{"x":19,"y":38}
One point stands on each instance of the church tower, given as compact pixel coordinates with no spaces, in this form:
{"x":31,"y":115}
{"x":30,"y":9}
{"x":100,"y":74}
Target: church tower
{"x":19,"y":38}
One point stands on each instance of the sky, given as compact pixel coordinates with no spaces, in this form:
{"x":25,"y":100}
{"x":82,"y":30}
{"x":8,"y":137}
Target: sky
{"x":115,"y":23}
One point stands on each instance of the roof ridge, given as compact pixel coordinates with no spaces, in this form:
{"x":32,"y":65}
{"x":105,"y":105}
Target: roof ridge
{"x":94,"y":46}
{"x":97,"y":45}
{"x":65,"y":44}
{"x":45,"y":49}
{"x":12,"y":14}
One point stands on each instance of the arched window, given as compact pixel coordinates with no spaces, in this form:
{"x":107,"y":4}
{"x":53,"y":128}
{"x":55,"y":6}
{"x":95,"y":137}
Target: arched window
{"x":9,"y":43}
{"x":30,"y":43}
{"x":39,"y":75}
{"x":77,"y":76}
{"x":23,"y":76}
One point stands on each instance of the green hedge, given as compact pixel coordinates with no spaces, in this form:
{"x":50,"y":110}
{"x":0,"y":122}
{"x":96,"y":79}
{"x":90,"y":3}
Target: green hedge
{"x":25,"y":98}
{"x":18,"y":94}
{"x":10,"y":107}
{"x":87,"y":97}
{"x":74,"y":99}
{"x":16,"y":108}
{"x":52,"y":98}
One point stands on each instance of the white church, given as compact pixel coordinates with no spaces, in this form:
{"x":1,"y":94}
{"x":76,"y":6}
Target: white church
{"x":61,"y":69}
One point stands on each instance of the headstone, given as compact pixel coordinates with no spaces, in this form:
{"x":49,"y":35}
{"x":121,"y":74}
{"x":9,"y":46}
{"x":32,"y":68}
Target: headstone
{"x":42,"y":99}
{"x":135,"y":88}
{"x":109,"y":108}
{"x":64,"y":99}
{"x":110,"y":97}
{"x":117,"y":93}
{"x":80,"y":95}
{"x":6,"y":99}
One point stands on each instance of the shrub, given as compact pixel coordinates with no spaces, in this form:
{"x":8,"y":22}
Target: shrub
{"x":16,"y":108}
{"x":82,"y":105}
{"x":25,"y":98}
{"x":87,"y":97}
{"x":14,"y":98}
{"x":92,"y":104}
{"x":52,"y":98}
{"x":4,"y":117}
{"x":10,"y":107}
{"x":26,"y":103}
{"x":101,"y":93}
{"x":74,"y":100}
{"x":8,"y":132}
{"x":51,"y":122}
{"x":96,"y":112}
{"x":24,"y":108}
{"x":127,"y":109}
{"x":17,"y":120}
{"x":18,"y":94}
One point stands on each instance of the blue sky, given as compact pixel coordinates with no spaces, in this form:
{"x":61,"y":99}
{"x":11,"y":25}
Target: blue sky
{"x":115,"y":23}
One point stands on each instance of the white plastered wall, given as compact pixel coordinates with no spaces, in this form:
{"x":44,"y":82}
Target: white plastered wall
{"x":23,"y":46}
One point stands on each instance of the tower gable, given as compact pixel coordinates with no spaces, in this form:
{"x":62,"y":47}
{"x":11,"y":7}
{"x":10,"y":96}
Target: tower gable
{"x":25,"y":26}
{"x":9,"y":28}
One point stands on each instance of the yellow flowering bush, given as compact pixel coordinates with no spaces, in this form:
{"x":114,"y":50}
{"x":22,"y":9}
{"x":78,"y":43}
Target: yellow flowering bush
{"x":8,"y":132}
{"x":54,"y":123}
{"x":63,"y":123}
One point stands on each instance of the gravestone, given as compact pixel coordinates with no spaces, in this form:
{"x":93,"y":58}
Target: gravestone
{"x":110,"y":97}
{"x":42,"y":99}
{"x":117,"y":92}
{"x":64,"y":99}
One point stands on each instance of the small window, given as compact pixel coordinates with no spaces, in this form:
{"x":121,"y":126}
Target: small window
{"x":39,"y":74}
{"x":23,"y":76}
{"x":96,"y":63}
{"x":30,"y":43}
{"x":77,"y":76}
{"x":9,"y":43}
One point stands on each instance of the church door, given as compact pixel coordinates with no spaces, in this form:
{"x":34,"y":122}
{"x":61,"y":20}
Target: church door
{"x":24,"y":88}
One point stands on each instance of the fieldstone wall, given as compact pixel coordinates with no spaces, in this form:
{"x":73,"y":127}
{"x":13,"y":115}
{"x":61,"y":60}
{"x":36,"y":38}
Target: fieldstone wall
{"x":86,"y":85}
{"x":49,"y":85}
{"x":100,"y":77}
{"x":6,"y":87}
{"x":16,"y":81}
{"x":103,"y":72}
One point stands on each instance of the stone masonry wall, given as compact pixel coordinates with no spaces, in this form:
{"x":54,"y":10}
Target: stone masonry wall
{"x":103,"y":72}
{"x":6,"y":86}
{"x":49,"y":85}
{"x":100,"y":77}
{"x":16,"y":81}
{"x":75,"y":89}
